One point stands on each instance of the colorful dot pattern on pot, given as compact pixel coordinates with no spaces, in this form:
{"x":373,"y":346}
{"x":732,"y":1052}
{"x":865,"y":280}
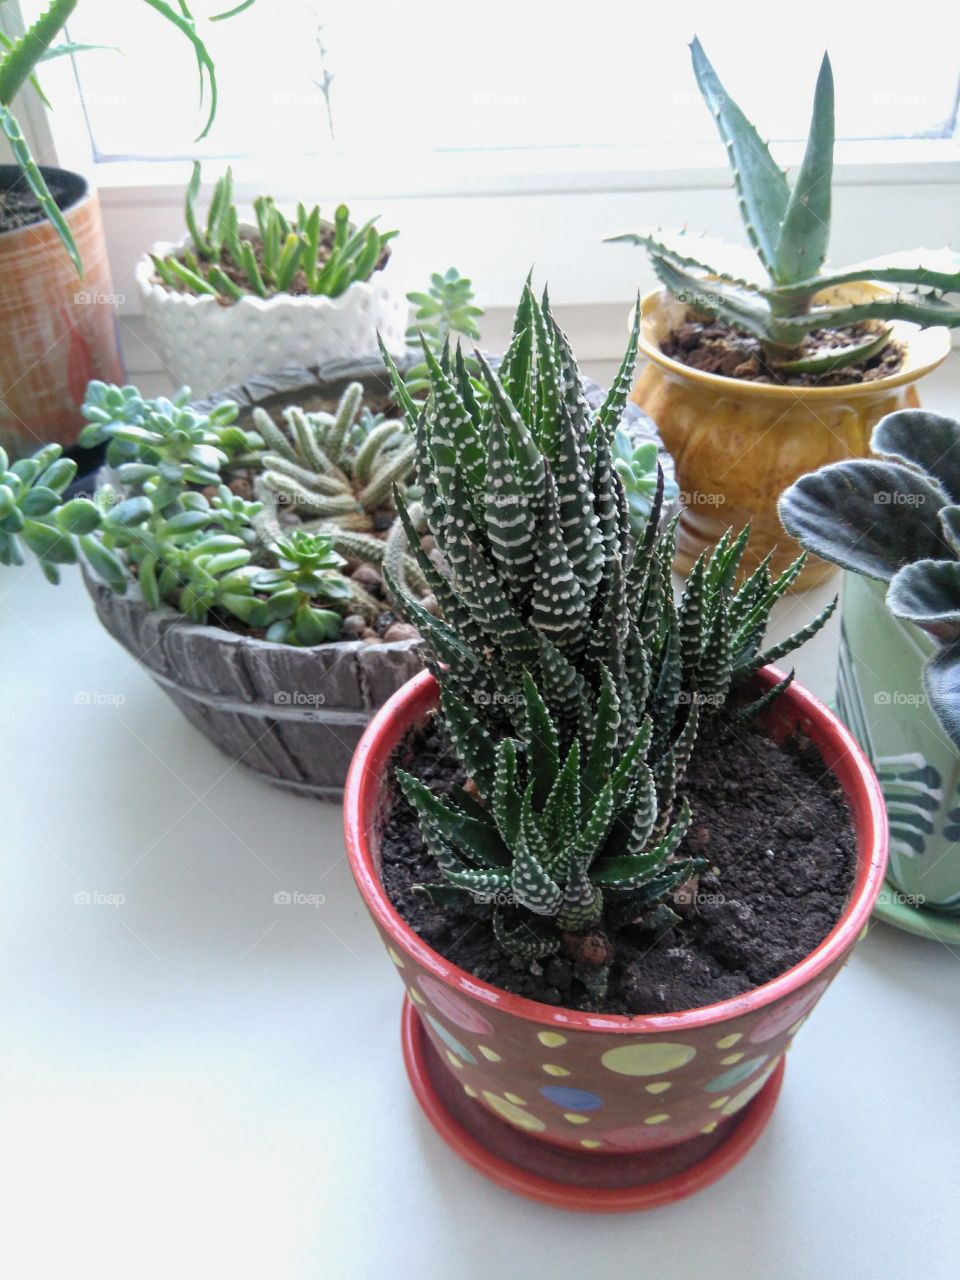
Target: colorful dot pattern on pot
{"x":603,"y":1090}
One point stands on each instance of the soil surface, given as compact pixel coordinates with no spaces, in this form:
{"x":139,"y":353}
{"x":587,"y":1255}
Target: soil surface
{"x":19,"y":206}
{"x":716,"y":347}
{"x":774,"y":828}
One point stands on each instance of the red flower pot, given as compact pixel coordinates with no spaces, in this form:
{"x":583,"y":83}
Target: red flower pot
{"x":599,"y":1111}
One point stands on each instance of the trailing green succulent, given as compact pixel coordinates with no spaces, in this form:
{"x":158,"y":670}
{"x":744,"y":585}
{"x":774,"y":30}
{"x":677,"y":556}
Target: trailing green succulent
{"x":303,"y":254}
{"x":20,"y":57}
{"x":896,"y":518}
{"x":571,"y":685}
{"x":169,"y":521}
{"x":638,"y":466}
{"x":447,"y":309}
{"x":789,"y":227}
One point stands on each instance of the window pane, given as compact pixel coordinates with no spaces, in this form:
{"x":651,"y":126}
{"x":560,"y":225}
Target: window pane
{"x":508,"y":74}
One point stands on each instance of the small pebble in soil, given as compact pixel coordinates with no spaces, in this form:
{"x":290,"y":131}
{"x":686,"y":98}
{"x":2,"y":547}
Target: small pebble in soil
{"x":368,"y":578}
{"x":400,"y":631}
{"x":353,"y":626}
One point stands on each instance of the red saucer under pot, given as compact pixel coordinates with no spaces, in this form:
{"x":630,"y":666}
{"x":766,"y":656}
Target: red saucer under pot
{"x":592,"y":1111}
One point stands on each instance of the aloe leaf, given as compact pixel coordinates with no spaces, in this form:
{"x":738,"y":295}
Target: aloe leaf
{"x":923,"y":268}
{"x":740,"y":307}
{"x":802,"y":244}
{"x":27,"y":50}
{"x":924,"y":309}
{"x":208,"y":73}
{"x":829,"y":359}
{"x":38,"y":184}
{"x":761,"y":183}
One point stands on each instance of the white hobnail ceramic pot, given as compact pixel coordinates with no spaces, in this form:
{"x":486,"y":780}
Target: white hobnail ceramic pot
{"x":207,"y":344}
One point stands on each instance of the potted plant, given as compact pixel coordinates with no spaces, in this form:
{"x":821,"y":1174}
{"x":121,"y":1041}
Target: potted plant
{"x":514,"y":819}
{"x":233,"y":300}
{"x":753,"y":384}
{"x":57,"y":304}
{"x":894,"y":524}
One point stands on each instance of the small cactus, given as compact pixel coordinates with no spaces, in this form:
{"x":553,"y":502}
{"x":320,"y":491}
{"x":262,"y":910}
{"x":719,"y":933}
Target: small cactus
{"x":338,"y":470}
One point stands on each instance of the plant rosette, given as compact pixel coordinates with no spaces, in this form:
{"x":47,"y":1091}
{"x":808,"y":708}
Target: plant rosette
{"x":592,"y":1111}
{"x":208,"y":344}
{"x":880,"y":695}
{"x":738,"y":444}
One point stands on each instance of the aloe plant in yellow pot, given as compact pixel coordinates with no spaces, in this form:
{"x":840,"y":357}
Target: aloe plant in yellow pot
{"x":754,"y":385}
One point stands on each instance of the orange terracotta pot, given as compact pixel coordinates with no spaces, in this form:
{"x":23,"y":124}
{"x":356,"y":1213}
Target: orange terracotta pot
{"x":738,"y":445}
{"x":59,"y":331}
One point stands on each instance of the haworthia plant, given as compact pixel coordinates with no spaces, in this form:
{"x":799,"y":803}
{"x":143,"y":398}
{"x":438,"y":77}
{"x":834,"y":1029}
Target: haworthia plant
{"x":788,"y":226}
{"x":20,"y":57}
{"x":571,"y":684}
{"x":284,"y":254}
{"x":896,"y":518}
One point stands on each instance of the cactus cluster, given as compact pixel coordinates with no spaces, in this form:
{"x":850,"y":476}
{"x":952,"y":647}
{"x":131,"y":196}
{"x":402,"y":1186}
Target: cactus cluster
{"x":571,"y":685}
{"x":789,"y":228}
{"x":896,"y":518}
{"x":338,"y":471}
{"x":303,"y":254}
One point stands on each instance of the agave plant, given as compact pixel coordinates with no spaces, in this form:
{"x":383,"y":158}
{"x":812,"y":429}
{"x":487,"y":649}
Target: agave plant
{"x":789,"y":228}
{"x":302,"y":254}
{"x":896,"y":519}
{"x":19,"y":59}
{"x":571,"y":686}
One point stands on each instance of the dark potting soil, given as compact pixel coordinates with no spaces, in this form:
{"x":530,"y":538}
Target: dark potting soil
{"x":19,"y":207}
{"x":716,"y":347}
{"x":774,"y":828}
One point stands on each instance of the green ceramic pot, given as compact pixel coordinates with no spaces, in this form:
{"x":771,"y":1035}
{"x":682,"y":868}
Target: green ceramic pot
{"x":880,"y":696}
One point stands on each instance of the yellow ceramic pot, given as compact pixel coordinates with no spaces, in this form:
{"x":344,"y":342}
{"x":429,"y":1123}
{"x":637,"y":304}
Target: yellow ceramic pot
{"x":738,"y":445}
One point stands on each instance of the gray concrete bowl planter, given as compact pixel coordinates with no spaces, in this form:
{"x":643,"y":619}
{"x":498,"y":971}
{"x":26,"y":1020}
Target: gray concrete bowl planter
{"x":294,"y":715}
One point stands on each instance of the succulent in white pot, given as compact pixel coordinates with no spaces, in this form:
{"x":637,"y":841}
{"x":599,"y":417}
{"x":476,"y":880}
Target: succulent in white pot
{"x":233,"y":300}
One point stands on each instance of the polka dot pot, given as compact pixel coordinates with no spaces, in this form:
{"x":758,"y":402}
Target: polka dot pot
{"x":207,"y":345}
{"x":592,"y":1091}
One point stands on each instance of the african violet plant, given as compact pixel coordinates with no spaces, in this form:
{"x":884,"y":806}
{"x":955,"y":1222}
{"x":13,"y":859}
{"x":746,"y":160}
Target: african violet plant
{"x":896,"y":518}
{"x":303,"y":254}
{"x":571,"y":685}
{"x":40,"y":42}
{"x":789,"y":228}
